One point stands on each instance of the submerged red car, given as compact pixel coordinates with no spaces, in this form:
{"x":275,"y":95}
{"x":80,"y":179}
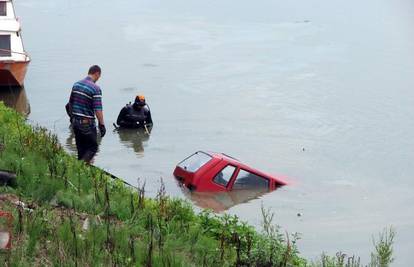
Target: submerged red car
{"x":218,"y":172}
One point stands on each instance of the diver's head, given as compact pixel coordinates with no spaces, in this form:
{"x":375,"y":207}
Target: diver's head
{"x":139,"y":101}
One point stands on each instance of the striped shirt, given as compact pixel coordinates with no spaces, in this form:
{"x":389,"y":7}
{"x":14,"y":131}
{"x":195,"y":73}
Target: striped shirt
{"x":86,"y":98}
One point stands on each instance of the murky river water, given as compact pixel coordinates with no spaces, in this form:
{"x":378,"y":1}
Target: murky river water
{"x":318,"y":91}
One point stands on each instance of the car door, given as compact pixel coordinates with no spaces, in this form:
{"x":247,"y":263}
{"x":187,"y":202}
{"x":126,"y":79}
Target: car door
{"x":224,"y":177}
{"x":246,"y":180}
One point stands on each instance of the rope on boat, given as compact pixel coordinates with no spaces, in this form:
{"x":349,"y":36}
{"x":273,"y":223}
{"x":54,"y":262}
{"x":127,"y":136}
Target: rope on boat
{"x":14,"y":52}
{"x":26,"y":55}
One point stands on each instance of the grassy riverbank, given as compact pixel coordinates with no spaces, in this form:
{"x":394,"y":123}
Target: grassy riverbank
{"x":67,"y":213}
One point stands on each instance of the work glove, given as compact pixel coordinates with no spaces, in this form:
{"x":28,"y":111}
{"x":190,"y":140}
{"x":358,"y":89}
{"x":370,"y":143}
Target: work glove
{"x":102,"y":130}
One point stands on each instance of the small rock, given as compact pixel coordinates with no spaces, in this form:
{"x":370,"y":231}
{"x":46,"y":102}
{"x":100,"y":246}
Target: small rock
{"x":20,"y":204}
{"x":8,"y":178}
{"x":54,"y":202}
{"x":85,"y":225}
{"x":299,"y":214}
{"x":4,"y":239}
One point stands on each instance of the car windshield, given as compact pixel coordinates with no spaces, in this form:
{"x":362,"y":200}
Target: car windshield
{"x":194,"y":162}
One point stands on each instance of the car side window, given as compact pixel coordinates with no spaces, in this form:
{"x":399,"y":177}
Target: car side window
{"x":248,"y":180}
{"x":224,"y":176}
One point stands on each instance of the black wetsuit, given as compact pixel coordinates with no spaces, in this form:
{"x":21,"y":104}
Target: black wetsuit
{"x":134,"y":116}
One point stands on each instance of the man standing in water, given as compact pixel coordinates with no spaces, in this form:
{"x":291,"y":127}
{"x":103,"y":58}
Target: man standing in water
{"x":84,"y":104}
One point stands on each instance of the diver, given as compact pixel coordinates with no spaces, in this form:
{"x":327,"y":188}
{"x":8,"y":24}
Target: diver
{"x":136,"y":115}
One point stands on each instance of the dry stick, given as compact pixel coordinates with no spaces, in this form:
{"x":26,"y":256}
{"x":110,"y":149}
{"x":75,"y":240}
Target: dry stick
{"x":249,"y":245}
{"x":42,"y":238}
{"x":150,"y":247}
{"x":93,"y":238}
{"x":20,"y":218}
{"x":95,"y":182}
{"x":2,"y":146}
{"x":107,"y":211}
{"x":58,"y":251}
{"x":222,"y":245}
{"x":287,"y":253}
{"x":272,"y":251}
{"x":132,"y":248}
{"x":8,"y":258}
{"x":161,"y":199}
{"x":160,"y":236}
{"x":132,"y":204}
{"x":57,"y":246}
{"x":141,"y":195}
{"x":63,"y":176}
{"x":50,"y":166}
{"x":73,"y":230}
{"x":204,"y":259}
{"x":79,"y":181}
{"x":238,"y":249}
{"x":86,"y":249}
{"x":161,"y":214}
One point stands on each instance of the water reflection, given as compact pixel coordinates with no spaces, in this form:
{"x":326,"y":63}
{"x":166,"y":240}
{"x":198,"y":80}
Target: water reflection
{"x":70,"y":141}
{"x":134,"y":138}
{"x":222,"y":201}
{"x":16,"y":98}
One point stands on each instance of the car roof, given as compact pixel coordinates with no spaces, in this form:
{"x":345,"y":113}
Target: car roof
{"x":237,"y":162}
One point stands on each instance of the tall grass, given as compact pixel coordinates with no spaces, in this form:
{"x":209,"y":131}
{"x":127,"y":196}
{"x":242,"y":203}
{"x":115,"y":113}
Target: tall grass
{"x":124,"y":229}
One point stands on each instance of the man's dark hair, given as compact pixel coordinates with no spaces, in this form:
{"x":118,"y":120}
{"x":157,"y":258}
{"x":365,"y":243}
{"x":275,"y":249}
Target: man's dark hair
{"x":94,"y":69}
